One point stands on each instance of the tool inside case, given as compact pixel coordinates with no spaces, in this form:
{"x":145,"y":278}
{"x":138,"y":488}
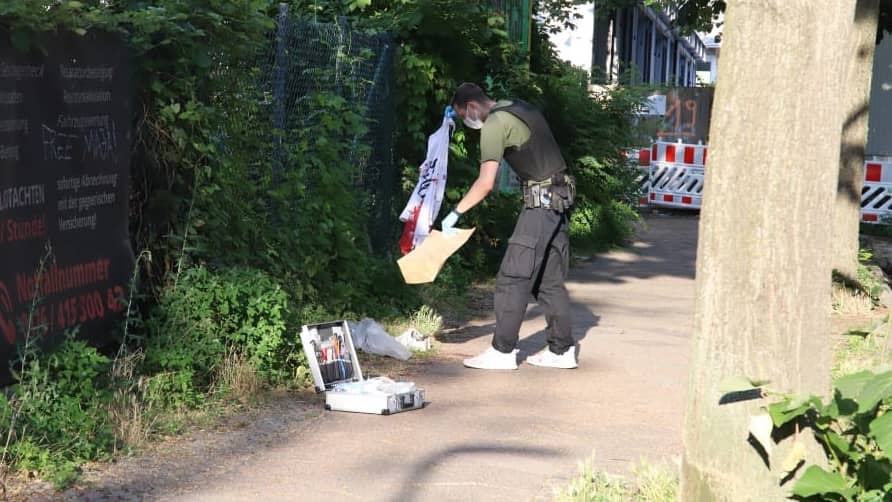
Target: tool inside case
{"x":332,"y":347}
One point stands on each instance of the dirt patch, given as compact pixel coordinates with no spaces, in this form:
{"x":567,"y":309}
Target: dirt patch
{"x":176,"y":463}
{"x":457,"y":327}
{"x":373,"y":365}
{"x":179,"y":460}
{"x":485,"y":436}
{"x":840,"y":324}
{"x":860,"y":341}
{"x":477,"y":301}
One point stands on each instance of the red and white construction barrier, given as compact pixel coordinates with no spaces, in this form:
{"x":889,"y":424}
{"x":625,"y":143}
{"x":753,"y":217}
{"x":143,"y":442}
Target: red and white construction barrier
{"x":676,"y":175}
{"x":876,"y":194}
{"x":678,"y":153}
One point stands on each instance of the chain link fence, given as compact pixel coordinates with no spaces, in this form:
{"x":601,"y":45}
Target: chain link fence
{"x":306,"y":58}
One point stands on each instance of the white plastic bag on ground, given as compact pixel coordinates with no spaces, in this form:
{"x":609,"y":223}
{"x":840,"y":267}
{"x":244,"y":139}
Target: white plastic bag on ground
{"x":412,"y":339}
{"x":424,"y":204}
{"x":371,"y":337}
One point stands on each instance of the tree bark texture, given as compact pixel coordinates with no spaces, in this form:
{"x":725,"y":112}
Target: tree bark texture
{"x":766,"y":230}
{"x":862,"y":41}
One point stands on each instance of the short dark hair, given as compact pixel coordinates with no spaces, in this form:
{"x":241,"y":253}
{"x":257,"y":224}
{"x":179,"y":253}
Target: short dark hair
{"x":467,"y":92}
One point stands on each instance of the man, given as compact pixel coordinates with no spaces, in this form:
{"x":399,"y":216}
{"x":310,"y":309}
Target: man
{"x":537,"y":256}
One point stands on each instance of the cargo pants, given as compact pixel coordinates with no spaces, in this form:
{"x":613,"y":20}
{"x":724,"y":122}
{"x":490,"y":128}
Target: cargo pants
{"x":536,"y":264}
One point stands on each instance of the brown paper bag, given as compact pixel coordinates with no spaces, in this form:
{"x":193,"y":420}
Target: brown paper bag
{"x":424,"y":262}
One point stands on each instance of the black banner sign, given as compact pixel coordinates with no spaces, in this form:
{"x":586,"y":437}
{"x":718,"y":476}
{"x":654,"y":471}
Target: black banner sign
{"x":65,"y":118}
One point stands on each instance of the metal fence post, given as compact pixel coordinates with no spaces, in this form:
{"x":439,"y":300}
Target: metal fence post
{"x":279,"y":76}
{"x":279,"y":92}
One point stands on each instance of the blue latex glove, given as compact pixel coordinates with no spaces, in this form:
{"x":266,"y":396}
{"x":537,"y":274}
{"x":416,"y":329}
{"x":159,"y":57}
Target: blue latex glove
{"x":450,"y":112}
{"x":448,"y":224}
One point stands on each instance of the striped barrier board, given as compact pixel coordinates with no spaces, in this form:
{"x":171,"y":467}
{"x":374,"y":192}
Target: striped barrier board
{"x":876,"y":194}
{"x":676,"y":185}
{"x":676,"y":174}
{"x":679,"y":153}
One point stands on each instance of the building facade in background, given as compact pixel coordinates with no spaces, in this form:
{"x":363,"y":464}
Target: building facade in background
{"x":640,"y":45}
{"x":632,"y":45}
{"x":709,"y":71}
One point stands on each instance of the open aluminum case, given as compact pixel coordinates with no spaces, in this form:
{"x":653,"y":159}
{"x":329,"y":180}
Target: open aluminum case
{"x":335,"y":369}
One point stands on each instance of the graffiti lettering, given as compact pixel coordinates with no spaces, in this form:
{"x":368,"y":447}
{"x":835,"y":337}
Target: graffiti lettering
{"x":680,"y":118}
{"x":100,"y":143}
{"x":56,"y":145}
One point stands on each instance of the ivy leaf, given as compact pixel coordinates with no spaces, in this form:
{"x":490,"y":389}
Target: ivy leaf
{"x":783,"y":411}
{"x":841,"y":407}
{"x":875,"y":473}
{"x":881,"y":430}
{"x":817,"y":481}
{"x":842,"y":447}
{"x":875,"y":390}
{"x":739,"y":384}
{"x":358,"y":4}
{"x":850,"y":386}
{"x":872,"y":496}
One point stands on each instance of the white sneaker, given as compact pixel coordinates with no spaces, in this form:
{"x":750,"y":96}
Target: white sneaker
{"x":492,"y":359}
{"x":549,"y":359}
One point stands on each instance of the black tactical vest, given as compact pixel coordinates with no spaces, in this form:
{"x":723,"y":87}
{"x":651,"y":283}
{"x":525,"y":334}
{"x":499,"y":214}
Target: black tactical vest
{"x":540,"y":157}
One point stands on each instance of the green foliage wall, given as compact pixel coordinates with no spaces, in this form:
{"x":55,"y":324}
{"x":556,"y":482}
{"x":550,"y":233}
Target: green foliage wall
{"x":238,"y":262}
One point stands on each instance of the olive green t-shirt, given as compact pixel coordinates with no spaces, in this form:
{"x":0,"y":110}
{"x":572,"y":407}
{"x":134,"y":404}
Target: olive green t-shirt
{"x":500,"y":131}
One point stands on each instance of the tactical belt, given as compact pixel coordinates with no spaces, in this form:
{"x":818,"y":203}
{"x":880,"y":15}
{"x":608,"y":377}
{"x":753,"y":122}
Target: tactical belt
{"x":557,"y":192}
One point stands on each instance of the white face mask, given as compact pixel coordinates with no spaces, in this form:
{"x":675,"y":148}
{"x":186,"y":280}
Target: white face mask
{"x":473,"y":123}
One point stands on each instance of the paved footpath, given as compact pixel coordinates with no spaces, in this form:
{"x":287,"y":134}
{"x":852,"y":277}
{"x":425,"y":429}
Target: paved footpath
{"x":508,"y":436}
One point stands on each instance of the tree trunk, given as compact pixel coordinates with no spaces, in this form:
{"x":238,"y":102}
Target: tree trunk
{"x":862,"y":41}
{"x":765,"y":249}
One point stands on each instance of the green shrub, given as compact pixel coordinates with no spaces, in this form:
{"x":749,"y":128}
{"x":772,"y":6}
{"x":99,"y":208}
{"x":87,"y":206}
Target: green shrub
{"x":882,"y":229}
{"x":220,"y":229}
{"x":651,"y":483}
{"x":854,"y":426}
{"x":604,"y":216}
{"x":197,"y":322}
{"x":58,"y":411}
{"x":871,"y":283}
